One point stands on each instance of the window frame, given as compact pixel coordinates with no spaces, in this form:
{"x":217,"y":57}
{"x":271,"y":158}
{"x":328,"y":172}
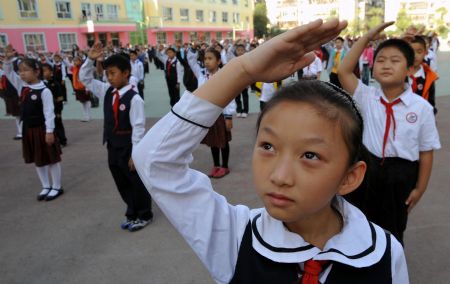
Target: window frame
{"x":5,"y":36}
{"x":110,"y":16}
{"x":24,"y":37}
{"x":182,"y":19}
{"x":69,"y":12}
{"x":71,"y":44}
{"x":202,"y":16}
{"x":36,"y":10}
{"x":167,"y":18}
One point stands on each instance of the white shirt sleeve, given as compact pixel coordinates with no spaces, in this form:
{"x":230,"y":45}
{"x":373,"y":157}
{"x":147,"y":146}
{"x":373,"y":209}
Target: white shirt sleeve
{"x":137,"y":119}
{"x":86,"y":75}
{"x":49,"y":114}
{"x":63,"y":70}
{"x":428,"y":133}
{"x":140,"y":71}
{"x":399,"y":268}
{"x":162,"y":56}
{"x":12,"y":76}
{"x":362,"y":95}
{"x":212,"y":227}
{"x":180,"y":72}
{"x":192,"y":61}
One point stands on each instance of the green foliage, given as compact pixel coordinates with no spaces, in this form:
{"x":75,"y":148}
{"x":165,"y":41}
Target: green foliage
{"x":441,"y":27}
{"x":375,"y":16}
{"x":403,"y":21}
{"x":260,"y":20}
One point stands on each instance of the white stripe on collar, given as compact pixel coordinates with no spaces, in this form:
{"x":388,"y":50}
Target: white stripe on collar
{"x":359,"y":244}
{"x":36,"y":86}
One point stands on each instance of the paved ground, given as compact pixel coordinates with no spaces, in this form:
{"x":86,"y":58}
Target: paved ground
{"x":77,"y":239}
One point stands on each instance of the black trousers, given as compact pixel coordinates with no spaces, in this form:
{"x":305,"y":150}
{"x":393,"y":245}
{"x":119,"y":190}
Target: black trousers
{"x":129,"y":184}
{"x":335,"y":80}
{"x":383,"y":197}
{"x":64,"y":90}
{"x":242,"y":106}
{"x":140,"y":87}
{"x":174,"y":92}
{"x":59,"y":131}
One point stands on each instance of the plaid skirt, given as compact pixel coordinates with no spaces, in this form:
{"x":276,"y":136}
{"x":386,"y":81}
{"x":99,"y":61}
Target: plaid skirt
{"x":218,"y":135}
{"x":35,"y":150}
{"x":82,"y":96}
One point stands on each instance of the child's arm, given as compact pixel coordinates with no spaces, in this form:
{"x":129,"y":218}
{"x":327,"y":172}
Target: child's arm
{"x":180,"y":73}
{"x":49,"y":115}
{"x":8,"y":68}
{"x":192,"y":61}
{"x":425,"y":166}
{"x":345,"y":71}
{"x":399,"y":268}
{"x":86,"y":74}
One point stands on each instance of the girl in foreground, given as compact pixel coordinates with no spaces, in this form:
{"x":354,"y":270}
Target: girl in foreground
{"x":306,"y":156}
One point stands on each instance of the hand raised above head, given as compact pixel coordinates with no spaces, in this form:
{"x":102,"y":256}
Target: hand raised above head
{"x":374,"y":33}
{"x":95,"y":51}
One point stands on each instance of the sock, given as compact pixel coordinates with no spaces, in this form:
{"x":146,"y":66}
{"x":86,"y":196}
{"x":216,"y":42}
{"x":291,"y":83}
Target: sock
{"x":225,"y":155}
{"x":55,"y":172}
{"x":43,"y":176}
{"x":216,"y":156}
{"x":18,"y":126}
{"x":87,"y":110}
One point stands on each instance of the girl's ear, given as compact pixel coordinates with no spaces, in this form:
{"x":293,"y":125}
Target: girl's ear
{"x":353,"y":179}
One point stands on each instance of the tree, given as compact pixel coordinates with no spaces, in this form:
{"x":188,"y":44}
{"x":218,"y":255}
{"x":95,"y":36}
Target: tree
{"x":441,"y":27}
{"x":260,"y":20}
{"x":375,"y":16}
{"x":403,"y":21}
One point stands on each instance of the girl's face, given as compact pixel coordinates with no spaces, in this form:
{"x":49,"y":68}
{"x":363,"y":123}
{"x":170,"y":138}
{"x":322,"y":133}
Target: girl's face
{"x":211,"y":62}
{"x":28,"y":74}
{"x":77,"y":62}
{"x":300,"y":162}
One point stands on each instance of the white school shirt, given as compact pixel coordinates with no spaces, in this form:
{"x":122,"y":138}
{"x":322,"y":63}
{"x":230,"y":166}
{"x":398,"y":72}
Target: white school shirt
{"x":214,"y":228}
{"x":313,"y":69}
{"x":137,"y":69}
{"x":267,"y":92}
{"x":202,"y":76}
{"x":99,"y":88}
{"x":415,"y":124}
{"x":433,"y":60}
{"x":46,"y":95}
{"x":162,"y":56}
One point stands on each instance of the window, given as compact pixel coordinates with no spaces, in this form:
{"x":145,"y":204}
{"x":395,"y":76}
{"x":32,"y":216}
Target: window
{"x":178,"y":37}
{"x":63,"y":10}
{"x":212,"y":16}
{"x":229,"y":34}
{"x":161,"y":37}
{"x":112,"y":12}
{"x":34,"y":42}
{"x":115,"y":39}
{"x":236,"y":18}
{"x":193,"y":36}
{"x":199,"y":15}
{"x":223,"y":1}
{"x":246,"y":3}
{"x":218,"y":36}
{"x":67,"y":40}
{"x":102,"y":38}
{"x":167,"y":14}
{"x":90,"y":39}
{"x":86,"y":11}
{"x":184,"y":15}
{"x":3,"y":40}
{"x":99,"y":11}
{"x":207,"y":36}
{"x":225,"y":17}
{"x":235,"y":2}
{"x":28,"y":8}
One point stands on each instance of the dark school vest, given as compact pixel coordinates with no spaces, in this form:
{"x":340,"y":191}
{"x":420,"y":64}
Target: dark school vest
{"x":251,"y":267}
{"x":120,"y":136}
{"x":54,"y":86}
{"x":420,"y":81}
{"x":171,"y":71}
{"x":32,"y":109}
{"x":9,"y":89}
{"x":57,"y":72}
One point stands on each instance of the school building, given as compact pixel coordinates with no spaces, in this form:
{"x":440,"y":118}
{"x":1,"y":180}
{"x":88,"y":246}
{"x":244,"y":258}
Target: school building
{"x":51,"y":25}
{"x":188,"y":20}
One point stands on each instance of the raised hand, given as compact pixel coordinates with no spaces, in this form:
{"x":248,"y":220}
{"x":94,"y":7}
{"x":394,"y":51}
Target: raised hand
{"x":374,"y":33}
{"x":283,"y":55}
{"x":96,"y":51}
{"x":9,"y":51}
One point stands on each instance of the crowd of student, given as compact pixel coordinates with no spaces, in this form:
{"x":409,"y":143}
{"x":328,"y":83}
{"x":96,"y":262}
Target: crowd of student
{"x":334,"y":163}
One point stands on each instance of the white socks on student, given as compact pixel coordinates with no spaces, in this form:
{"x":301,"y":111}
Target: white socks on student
{"x":18,"y":127}
{"x":87,"y":110}
{"x":43,"y":174}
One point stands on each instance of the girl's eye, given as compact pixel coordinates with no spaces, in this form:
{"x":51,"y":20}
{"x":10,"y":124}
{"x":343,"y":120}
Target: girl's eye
{"x":267,"y":146}
{"x":310,"y":156}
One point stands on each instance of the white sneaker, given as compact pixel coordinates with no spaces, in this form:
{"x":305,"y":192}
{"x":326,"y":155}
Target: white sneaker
{"x":239,"y":114}
{"x":244,"y":115}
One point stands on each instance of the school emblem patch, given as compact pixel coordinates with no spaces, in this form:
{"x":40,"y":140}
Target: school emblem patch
{"x":420,"y":87}
{"x":122,"y":107}
{"x":33,"y":97}
{"x":411,"y":117}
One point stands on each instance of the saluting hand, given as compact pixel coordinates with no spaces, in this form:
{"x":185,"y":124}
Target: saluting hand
{"x":96,"y":51}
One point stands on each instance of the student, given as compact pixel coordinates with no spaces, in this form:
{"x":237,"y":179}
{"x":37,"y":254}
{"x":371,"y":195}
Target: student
{"x":124,"y":126}
{"x":60,"y":74}
{"x":242,"y":99}
{"x":39,"y":145}
{"x":81,"y":93}
{"x":266,"y":91}
{"x":336,"y":55}
{"x":58,"y":98}
{"x":313,"y":70}
{"x":423,"y":78}
{"x":300,"y":169}
{"x":219,"y":134}
{"x":400,"y":132}
{"x":137,"y":70}
{"x":173,"y":72}
{"x":11,"y":98}
{"x":366,"y":63}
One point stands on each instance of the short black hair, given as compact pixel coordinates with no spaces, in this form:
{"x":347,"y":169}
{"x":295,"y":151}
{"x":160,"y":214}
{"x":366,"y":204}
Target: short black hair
{"x":118,"y":61}
{"x":133,"y":51}
{"x":403,"y":46}
{"x":419,"y":40}
{"x":240,"y":45}
{"x":48,"y":66}
{"x":171,"y":49}
{"x":339,"y":38}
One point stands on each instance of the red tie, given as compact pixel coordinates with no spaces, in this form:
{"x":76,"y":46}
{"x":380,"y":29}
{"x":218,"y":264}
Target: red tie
{"x":116,"y":109}
{"x":312,"y":271}
{"x":4,"y":82}
{"x":169,"y":66}
{"x":389,"y":115}
{"x":414,"y":83}
{"x":23,"y":94}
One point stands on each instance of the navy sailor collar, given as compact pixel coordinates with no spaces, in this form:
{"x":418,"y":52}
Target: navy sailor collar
{"x":359,"y":244}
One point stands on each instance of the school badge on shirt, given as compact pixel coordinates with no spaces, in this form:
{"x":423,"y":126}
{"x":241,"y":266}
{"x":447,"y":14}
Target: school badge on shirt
{"x":33,"y":97}
{"x":411,"y":117}
{"x":420,"y":87}
{"x":122,"y":107}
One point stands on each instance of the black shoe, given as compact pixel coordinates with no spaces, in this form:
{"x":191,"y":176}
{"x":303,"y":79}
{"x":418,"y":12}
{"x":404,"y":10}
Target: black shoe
{"x":43,"y":194}
{"x":17,"y":137}
{"x":139,"y":224}
{"x":52,"y":197}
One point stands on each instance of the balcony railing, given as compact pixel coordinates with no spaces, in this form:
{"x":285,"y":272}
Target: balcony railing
{"x":106,"y":19}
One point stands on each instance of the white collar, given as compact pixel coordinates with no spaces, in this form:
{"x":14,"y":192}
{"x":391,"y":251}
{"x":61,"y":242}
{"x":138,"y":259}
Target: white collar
{"x":420,"y":72}
{"x":359,"y":244}
{"x":36,"y":86}
{"x":405,"y":97}
{"x":123,"y":90}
